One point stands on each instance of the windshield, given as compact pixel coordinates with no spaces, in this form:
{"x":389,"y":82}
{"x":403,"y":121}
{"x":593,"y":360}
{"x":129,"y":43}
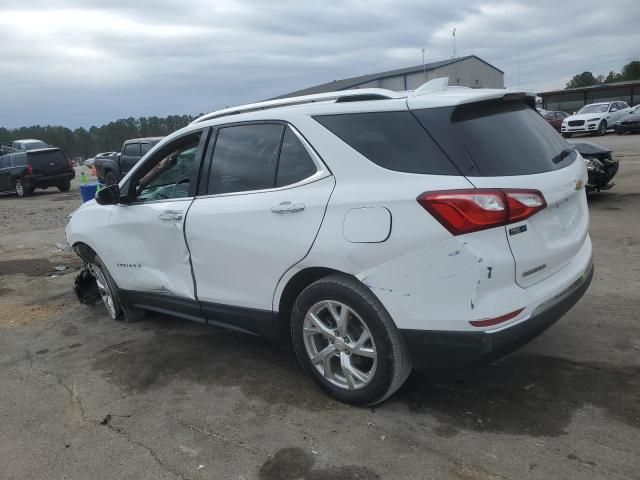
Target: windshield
{"x":595,"y":108}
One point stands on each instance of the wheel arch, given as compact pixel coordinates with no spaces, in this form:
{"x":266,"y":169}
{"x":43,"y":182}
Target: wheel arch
{"x":290,"y":292}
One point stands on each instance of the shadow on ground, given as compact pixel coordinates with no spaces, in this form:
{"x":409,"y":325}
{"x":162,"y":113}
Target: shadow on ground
{"x":522,"y":394}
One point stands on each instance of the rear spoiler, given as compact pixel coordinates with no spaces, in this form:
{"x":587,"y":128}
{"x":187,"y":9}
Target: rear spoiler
{"x":440,"y":85}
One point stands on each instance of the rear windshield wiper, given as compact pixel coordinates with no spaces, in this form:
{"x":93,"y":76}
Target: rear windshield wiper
{"x":562,"y":155}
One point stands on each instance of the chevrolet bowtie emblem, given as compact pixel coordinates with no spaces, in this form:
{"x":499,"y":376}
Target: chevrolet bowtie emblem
{"x":579,"y":184}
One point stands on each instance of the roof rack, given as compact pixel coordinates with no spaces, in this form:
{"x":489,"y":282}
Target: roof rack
{"x":361,"y":94}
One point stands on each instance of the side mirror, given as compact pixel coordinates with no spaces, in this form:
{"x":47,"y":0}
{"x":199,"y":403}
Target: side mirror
{"x":108,"y":195}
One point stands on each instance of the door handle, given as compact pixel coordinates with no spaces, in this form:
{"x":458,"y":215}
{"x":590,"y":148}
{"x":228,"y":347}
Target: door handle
{"x":288,"y":207}
{"x":170,"y":215}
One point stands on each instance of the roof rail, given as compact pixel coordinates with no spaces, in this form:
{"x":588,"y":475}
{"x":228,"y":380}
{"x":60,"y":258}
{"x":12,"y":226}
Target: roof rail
{"x":339,"y":96}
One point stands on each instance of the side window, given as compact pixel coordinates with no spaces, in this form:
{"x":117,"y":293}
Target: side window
{"x":144,"y":148}
{"x":6,"y":162}
{"x":132,"y":149}
{"x":613,"y":107}
{"x":245,"y":158}
{"x":171,"y":172}
{"x":295,"y":164}
{"x":392,"y":140}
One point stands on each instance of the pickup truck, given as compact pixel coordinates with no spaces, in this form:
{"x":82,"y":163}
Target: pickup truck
{"x":29,"y":164}
{"x":110,"y":169}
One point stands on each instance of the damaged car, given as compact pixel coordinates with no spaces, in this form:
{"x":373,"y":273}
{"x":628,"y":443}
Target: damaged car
{"x":372,"y":230}
{"x":601,"y":166}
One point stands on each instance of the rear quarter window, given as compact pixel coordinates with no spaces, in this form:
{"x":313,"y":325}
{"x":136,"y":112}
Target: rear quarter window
{"x":497,"y":138}
{"x":392,"y":140}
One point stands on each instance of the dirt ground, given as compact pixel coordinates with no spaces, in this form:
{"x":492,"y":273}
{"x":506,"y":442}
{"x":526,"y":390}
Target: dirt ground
{"x":84,"y":397}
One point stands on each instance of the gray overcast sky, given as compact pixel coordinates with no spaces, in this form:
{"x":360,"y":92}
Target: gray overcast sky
{"x":82,"y":63}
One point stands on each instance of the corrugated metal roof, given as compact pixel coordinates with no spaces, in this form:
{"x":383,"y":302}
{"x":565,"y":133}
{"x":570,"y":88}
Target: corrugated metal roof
{"x":355,"y":81}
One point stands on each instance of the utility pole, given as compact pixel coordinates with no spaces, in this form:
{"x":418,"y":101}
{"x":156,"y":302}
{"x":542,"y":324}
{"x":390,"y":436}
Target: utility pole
{"x":424,"y":66}
{"x":453,"y":34}
{"x":518,"y":67}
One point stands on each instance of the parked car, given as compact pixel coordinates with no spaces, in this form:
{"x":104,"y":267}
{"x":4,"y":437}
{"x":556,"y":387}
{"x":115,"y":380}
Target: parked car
{"x":601,"y":166}
{"x":29,"y":164}
{"x":374,"y":230}
{"x":595,"y":118}
{"x":89,"y":161}
{"x":26,"y":145}
{"x":111,"y":168}
{"x":630,"y":123}
{"x":555,"y":119}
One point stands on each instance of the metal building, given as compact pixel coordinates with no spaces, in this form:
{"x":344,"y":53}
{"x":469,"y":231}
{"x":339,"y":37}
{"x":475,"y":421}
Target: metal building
{"x":573,"y":99}
{"x":469,"y":71}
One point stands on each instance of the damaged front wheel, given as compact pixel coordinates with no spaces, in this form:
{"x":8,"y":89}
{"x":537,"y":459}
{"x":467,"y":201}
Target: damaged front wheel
{"x":105,"y":291}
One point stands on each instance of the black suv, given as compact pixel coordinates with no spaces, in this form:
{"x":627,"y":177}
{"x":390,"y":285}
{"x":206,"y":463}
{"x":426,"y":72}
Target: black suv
{"x":29,"y":164}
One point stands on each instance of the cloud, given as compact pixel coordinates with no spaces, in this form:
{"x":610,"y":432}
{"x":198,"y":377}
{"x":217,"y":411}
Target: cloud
{"x":87,"y":62}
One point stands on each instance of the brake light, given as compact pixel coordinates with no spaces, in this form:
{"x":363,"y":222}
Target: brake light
{"x":29,"y":170}
{"x":471,"y":210}
{"x":489,"y":322}
{"x":70,"y":164}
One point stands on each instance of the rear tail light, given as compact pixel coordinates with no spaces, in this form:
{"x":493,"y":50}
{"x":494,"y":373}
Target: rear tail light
{"x":466,"y":211}
{"x":70,"y":164}
{"x":29,"y":170}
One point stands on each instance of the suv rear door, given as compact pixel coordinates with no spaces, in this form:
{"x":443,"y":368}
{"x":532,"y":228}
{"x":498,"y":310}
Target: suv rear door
{"x":264,"y":201}
{"x":506,"y":144}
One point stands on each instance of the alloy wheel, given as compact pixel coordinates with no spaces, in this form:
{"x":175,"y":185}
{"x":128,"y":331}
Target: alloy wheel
{"x":19,"y":188}
{"x":340,"y":345}
{"x":105,"y":291}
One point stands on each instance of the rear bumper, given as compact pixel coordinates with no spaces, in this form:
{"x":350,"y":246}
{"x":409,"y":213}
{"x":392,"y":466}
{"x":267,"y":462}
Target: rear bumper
{"x":438,"y":351}
{"x":48,"y":180}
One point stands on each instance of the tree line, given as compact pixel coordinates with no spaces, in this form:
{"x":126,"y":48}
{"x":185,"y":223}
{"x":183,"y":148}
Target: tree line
{"x":87,"y":142}
{"x":631,"y":71}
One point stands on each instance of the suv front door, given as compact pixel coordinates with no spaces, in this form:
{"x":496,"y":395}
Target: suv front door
{"x":146,"y":254}
{"x":265,"y":199}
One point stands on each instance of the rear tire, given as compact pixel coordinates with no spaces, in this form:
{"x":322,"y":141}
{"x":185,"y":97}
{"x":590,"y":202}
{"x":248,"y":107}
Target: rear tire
{"x":110,"y":178}
{"x":65,"y":186}
{"x":21,"y":189}
{"x":360,"y":356}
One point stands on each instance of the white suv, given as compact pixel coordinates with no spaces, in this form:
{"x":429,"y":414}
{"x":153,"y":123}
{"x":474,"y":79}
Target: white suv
{"x":374,"y":230}
{"x":595,"y":118}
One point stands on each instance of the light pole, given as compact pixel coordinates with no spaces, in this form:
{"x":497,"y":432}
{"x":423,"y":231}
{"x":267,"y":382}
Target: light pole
{"x":424,"y":66}
{"x":453,"y":34}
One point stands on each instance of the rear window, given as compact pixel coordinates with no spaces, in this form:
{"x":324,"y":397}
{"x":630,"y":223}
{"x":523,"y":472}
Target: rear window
{"x":393,"y":140}
{"x":46,"y":158}
{"x":497,"y":138}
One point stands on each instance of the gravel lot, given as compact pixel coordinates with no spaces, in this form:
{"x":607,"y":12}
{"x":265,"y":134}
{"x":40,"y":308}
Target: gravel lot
{"x":85,"y":397}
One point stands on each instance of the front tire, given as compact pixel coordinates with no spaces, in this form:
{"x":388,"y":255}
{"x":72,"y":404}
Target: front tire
{"x":347,"y":342}
{"x":115,"y":307}
{"x":602,"y":128}
{"x":566,"y":135}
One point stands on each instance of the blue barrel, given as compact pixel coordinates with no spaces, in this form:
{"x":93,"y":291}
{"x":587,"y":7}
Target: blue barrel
{"x":88,"y":191}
